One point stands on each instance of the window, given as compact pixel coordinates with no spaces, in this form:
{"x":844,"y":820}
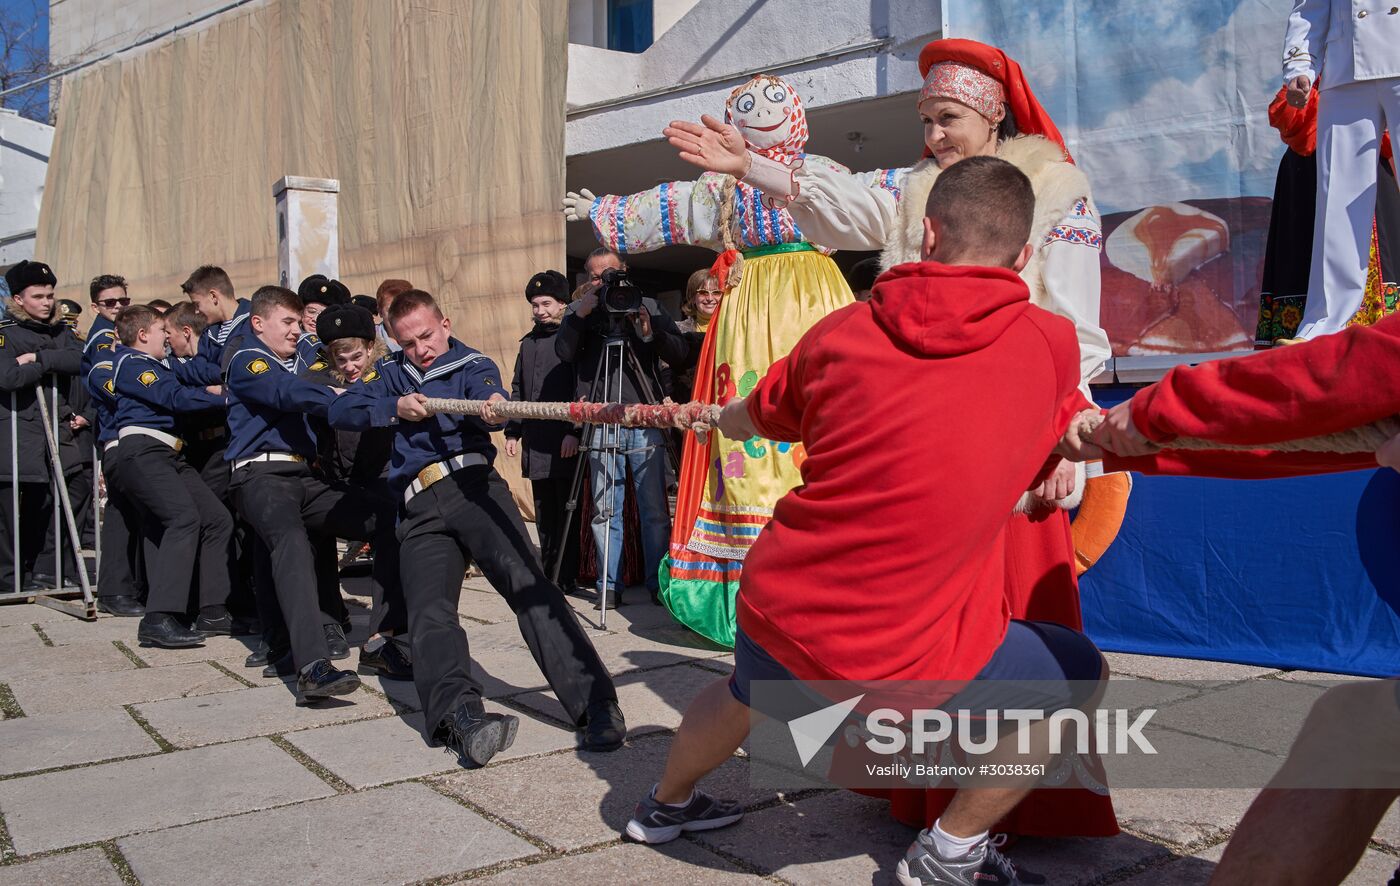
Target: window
{"x":629,"y":25}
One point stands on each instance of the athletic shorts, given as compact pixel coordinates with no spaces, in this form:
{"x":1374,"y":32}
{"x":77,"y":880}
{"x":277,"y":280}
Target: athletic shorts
{"x":1039,"y":665}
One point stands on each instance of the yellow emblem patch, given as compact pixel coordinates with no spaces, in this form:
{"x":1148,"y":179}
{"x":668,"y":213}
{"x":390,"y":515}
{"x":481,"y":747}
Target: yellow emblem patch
{"x":2,"y":341}
{"x":318,"y":366}
{"x":490,"y":383}
{"x":106,"y":347}
{"x":371,"y":375}
{"x":148,"y":377}
{"x":257,"y":366}
{"x":109,"y":387}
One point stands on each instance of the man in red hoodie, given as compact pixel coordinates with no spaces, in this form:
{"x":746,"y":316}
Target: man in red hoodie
{"x":936,"y":403}
{"x":1291,"y":833}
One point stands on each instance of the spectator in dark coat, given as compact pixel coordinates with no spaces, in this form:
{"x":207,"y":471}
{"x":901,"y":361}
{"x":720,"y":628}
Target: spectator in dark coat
{"x":549,"y":456}
{"x":37,"y":352}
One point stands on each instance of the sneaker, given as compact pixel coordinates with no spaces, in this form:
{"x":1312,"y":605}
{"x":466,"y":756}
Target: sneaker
{"x":983,"y":866}
{"x":656,"y":822}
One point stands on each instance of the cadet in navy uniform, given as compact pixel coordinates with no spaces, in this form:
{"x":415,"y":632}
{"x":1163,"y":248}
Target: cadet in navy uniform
{"x":317,"y":293}
{"x":455,"y":507}
{"x":120,"y":582}
{"x":271,"y":448}
{"x":35,"y":350}
{"x":185,"y":522}
{"x":211,"y":291}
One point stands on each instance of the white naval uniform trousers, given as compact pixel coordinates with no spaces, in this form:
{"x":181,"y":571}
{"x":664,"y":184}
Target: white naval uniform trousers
{"x":1356,"y":46}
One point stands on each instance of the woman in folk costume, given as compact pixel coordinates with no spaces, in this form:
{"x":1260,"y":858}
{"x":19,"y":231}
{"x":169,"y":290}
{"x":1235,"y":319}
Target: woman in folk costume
{"x":776,"y":286}
{"x":975,"y":101}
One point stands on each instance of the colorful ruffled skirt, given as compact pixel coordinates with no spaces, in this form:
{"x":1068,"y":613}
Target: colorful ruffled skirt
{"x":727,"y":488}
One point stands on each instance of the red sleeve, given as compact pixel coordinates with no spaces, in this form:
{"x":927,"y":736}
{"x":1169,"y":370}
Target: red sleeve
{"x":1329,"y":384}
{"x":1241,"y":465}
{"x":776,"y":405}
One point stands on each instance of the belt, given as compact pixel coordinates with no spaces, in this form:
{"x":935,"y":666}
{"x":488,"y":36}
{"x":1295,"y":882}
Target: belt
{"x":170,"y":440}
{"x":440,"y":471}
{"x":110,"y":445}
{"x":269,"y":456}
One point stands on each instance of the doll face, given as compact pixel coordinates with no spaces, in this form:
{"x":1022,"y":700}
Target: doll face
{"x":762,"y":112}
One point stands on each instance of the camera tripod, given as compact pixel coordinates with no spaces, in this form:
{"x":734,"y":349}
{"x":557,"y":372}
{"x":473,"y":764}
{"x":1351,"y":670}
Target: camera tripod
{"x":606,"y":387}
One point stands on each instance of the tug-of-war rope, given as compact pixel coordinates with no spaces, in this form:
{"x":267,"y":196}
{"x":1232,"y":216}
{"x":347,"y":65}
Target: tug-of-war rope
{"x":1367,"y":438}
{"x":637,"y":415}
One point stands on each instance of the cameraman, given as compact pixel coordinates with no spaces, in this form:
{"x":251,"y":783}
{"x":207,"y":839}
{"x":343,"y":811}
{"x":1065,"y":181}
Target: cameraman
{"x":649,"y":334}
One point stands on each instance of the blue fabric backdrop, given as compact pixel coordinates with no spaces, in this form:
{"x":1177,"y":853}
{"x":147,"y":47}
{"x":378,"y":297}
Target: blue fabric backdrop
{"x":1298,"y":573}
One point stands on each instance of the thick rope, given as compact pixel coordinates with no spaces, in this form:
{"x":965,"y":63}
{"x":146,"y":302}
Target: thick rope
{"x":1367,"y":438}
{"x":637,"y":415}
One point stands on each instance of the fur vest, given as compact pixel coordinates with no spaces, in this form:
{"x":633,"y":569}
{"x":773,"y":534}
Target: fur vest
{"x":1058,"y":185}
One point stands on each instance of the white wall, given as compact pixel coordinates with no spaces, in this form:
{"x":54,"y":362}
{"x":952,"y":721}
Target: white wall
{"x":717,"y":44}
{"x":24,"y":160}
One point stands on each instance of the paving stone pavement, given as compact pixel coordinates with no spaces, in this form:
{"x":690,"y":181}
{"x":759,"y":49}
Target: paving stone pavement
{"x":130,"y":765}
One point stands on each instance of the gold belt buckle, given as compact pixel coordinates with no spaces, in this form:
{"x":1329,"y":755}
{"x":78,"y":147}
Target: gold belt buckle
{"x":430,"y":475}
{"x":179,"y":444}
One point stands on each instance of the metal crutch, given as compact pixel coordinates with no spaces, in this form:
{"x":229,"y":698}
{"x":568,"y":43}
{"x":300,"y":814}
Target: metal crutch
{"x":89,"y":608}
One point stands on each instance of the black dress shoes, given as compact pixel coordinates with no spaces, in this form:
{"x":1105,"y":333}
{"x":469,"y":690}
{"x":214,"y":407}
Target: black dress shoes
{"x":320,"y":680}
{"x":282,"y":665}
{"x":216,"y":623}
{"x":164,"y":630}
{"x":46,"y":581}
{"x":603,"y":727}
{"x":475,"y":735}
{"x":387,"y":661}
{"x":335,"y":642}
{"x":127,"y":607}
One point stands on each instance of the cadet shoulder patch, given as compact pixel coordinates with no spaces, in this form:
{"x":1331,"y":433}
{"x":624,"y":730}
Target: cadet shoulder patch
{"x":148,"y":377}
{"x":2,"y":340}
{"x":257,"y":366}
{"x":371,"y":375}
{"x":109,"y":387}
{"x":106,"y":347}
{"x":490,"y":382}
{"x":318,"y":366}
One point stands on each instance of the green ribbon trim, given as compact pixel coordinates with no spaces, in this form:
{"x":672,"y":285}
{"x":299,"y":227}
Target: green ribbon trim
{"x":778,"y":250}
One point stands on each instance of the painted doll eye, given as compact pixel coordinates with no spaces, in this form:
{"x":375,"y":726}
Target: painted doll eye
{"x":775,"y":94}
{"x":744,"y":104}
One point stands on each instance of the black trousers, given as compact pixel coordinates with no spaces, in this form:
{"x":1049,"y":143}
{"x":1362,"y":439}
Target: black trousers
{"x":286,"y":504}
{"x":551,"y":521}
{"x":471,"y":515}
{"x":207,"y":457}
{"x":185,"y":524}
{"x":119,"y":573}
{"x":36,"y":507}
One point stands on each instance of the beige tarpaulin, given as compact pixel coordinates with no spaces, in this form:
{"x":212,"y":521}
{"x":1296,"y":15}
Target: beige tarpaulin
{"x":443,"y":121}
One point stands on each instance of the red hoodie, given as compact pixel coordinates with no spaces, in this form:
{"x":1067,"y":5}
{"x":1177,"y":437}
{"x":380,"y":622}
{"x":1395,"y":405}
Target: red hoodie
{"x":924,"y":413}
{"x":1329,"y":384}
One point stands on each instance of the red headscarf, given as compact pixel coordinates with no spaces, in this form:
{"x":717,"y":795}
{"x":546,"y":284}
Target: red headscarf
{"x":1030,"y":117}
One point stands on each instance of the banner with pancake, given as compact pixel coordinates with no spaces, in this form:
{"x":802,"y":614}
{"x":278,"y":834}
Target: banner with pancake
{"x":1165,"y":108}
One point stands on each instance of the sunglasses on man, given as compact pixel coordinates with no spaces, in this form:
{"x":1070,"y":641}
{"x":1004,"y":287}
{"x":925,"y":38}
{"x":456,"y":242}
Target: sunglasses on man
{"x":115,"y":302}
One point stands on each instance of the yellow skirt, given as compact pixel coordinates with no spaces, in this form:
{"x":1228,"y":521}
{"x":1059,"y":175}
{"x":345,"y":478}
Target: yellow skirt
{"x":728,"y":488}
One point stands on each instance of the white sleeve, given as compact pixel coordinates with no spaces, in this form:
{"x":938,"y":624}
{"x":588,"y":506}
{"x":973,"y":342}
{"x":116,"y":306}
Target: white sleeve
{"x":1070,"y":273}
{"x":1306,"y":36}
{"x":673,"y":212}
{"x":832,"y":206}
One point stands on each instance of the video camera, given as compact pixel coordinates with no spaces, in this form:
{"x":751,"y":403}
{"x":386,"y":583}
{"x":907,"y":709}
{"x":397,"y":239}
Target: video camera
{"x":618,"y":294}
